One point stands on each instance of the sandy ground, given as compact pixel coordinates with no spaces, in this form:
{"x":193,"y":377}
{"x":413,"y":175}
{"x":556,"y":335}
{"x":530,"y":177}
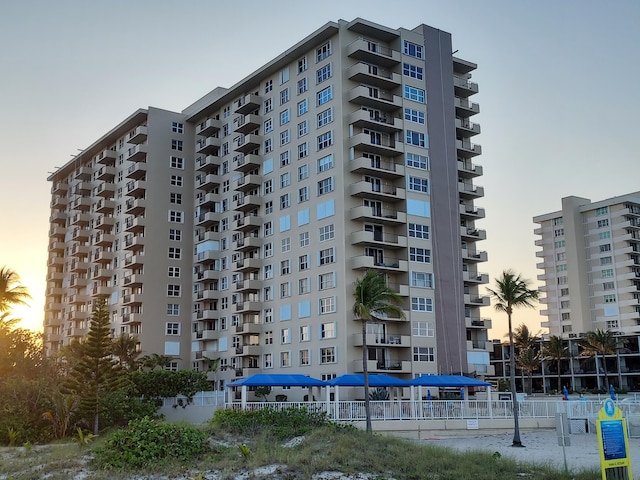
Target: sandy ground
{"x":541,"y":446}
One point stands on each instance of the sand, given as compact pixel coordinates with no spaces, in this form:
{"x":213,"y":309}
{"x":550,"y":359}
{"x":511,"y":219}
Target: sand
{"x":541,"y":446}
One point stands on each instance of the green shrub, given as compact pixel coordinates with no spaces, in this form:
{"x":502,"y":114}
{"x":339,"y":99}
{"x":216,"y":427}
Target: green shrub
{"x":283,"y":424}
{"x":148,"y":443}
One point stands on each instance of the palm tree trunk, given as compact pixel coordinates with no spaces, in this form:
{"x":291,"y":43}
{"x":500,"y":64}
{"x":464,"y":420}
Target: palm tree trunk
{"x":512,"y":374}
{"x":559,"y":379}
{"x":365,"y":375}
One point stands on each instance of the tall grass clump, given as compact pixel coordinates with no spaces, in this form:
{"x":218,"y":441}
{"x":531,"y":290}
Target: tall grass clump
{"x":147,"y":443}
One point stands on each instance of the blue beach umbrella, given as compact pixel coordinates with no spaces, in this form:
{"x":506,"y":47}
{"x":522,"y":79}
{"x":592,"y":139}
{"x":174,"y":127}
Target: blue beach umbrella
{"x":612,"y":392}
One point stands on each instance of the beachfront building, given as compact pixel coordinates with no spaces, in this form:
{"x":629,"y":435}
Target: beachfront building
{"x":236,"y":228}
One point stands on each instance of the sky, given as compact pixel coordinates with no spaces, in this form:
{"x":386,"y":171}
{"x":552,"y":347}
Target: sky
{"x":558,"y":113}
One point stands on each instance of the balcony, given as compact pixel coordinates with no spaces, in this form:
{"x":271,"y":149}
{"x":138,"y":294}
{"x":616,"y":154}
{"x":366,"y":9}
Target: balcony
{"x":471,"y":212}
{"x":137,"y":171}
{"x":54,"y":276}
{"x":55,"y":291}
{"x":53,"y":306}
{"x":81,"y":188}
{"x":107,"y":157}
{"x":80,"y":235}
{"x":247,"y":143}
{"x":472,"y":234}
{"x":372,"y":52}
{"x":208,"y":145}
{"x":137,"y":153}
{"x":380,"y":239}
{"x":381,"y":191}
{"x":378,"y":168}
{"x":207,"y":219}
{"x":477,"y":322}
{"x":98,"y":273}
{"x":401,"y":341}
{"x":249,"y":350}
{"x":247,"y":104}
{"x":82,"y":204}
{"x":463,"y":87}
{"x":470,"y":255}
{"x":135,"y":206}
{"x":249,"y":285}
{"x":374,"y":366}
{"x":246,"y":163}
{"x":465,"y":108}
{"x":248,"y":182}
{"x":79,"y":266}
{"x":383,"y":123}
{"x":467,"y":169}
{"x":208,"y":200}
{"x":375,"y":142}
{"x":103,"y":256}
{"x":104,"y":223}
{"x":59,"y":202}
{"x":57,"y":232}
{"x":208,"y":127}
{"x":57,"y":247}
{"x":135,"y":224}
{"x":207,"y":257}
{"x":80,"y":250}
{"x":105,"y":206}
{"x":134,"y":244}
{"x":380,"y":214}
{"x":470,"y":191}
{"x":137,"y":135}
{"x":206,"y":275}
{"x":136,"y":188}
{"x":248,"y":202}
{"x":365,"y":262}
{"x":103,"y":239}
{"x":207,"y":163}
{"x":248,"y":265}
{"x":207,"y":182}
{"x":466,"y":149}
{"x":475,"y":277}
{"x":246,"y":124}
{"x":132,"y":300}
{"x":465,"y":128}
{"x":208,"y":294}
{"x":83,"y":173}
{"x":374,"y":98}
{"x":483,"y":345}
{"x":374,"y":75}
{"x":248,"y":223}
{"x":101,"y":291}
{"x":248,"y":243}
{"x":105,"y":174}
{"x":248,"y":328}
{"x":134,"y":261}
{"x":80,"y":220}
{"x":249,"y":307}
{"x":135,"y":280}
{"x":476,"y":300}
{"x":59,"y":188}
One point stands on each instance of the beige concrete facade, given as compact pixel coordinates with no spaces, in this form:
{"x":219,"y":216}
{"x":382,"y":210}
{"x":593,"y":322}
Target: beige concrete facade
{"x":330,"y":160}
{"x":591,"y":261}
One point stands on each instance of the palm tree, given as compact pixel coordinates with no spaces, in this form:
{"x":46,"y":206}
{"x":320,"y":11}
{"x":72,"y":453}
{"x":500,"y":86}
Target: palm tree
{"x":125,"y":348}
{"x":600,"y":342}
{"x":155,"y":360}
{"x":528,"y":359}
{"x":374,"y":300}
{"x":11,"y":293}
{"x":555,"y":349}
{"x":513,"y":291}
{"x":523,"y":338}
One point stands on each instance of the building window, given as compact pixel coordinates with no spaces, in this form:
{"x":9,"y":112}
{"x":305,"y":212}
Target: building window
{"x":327,"y":256}
{"x":325,"y":186}
{"x":284,"y":117}
{"x":176,"y":145}
{"x":327,"y":305}
{"x":412,"y":71}
{"x":302,"y":64}
{"x":606,"y":260}
{"x":605,"y":248}
{"x":268,"y":315}
{"x":175,"y":234}
{"x":303,"y":262}
{"x":175,"y":198}
{"x":323,"y":52}
{"x":325,"y":163}
{"x":421,"y":304}
{"x":422,"y":255}
{"x":324,"y":140}
{"x":418,"y":184}
{"x":604,"y":235}
{"x":177,"y":127}
{"x":174,"y":272}
{"x":303,"y":172}
{"x":327,"y":355}
{"x":285,"y":290}
{"x":173,"y":309}
{"x":285,"y":267}
{"x":268,"y":272}
{"x":607,"y":273}
{"x":415,"y":138}
{"x":302,"y":86}
{"x":565,"y":304}
{"x":173,"y":328}
{"x":323,"y":73}
{"x":268,"y":86}
{"x":303,"y":107}
{"x":564,"y":292}
{"x":559,"y":244}
{"x":268,"y":250}
{"x":412,"y":49}
{"x":603,"y":223}
{"x":267,"y":360}
{"x":325,"y":117}
{"x":285,"y":359}
{"x":558,"y":232}
{"x":304,"y":239}
{"x":328,"y":330}
{"x":303,"y":150}
{"x":422,"y":279}
{"x":285,"y":245}
{"x":303,"y":129}
{"x":414,"y":115}
{"x":602,"y":211}
{"x":176,"y":216}
{"x":609,"y":299}
{"x":268,"y":105}
{"x":305,"y":358}
{"x":284,"y":96}
{"x":561,"y":268}
{"x":304,"y":287}
{"x":285,"y":180}
{"x":423,"y":354}
{"x":323,"y":96}
{"x":268,"y":125}
{"x":419,"y":231}
{"x":176,"y":162}
{"x":303,"y":194}
{"x":561,"y":257}
{"x":176,"y":181}
{"x":422,"y":329}
{"x":327,"y":232}
{"x":326,"y":281}
{"x":415,"y":94}
{"x":175,"y":253}
{"x":284,"y":137}
{"x":285,"y":336}
{"x":173,"y":290}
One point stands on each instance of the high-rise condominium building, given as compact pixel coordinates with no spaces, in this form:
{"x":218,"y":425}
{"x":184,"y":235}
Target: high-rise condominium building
{"x":591,"y":261}
{"x":236,"y":229}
